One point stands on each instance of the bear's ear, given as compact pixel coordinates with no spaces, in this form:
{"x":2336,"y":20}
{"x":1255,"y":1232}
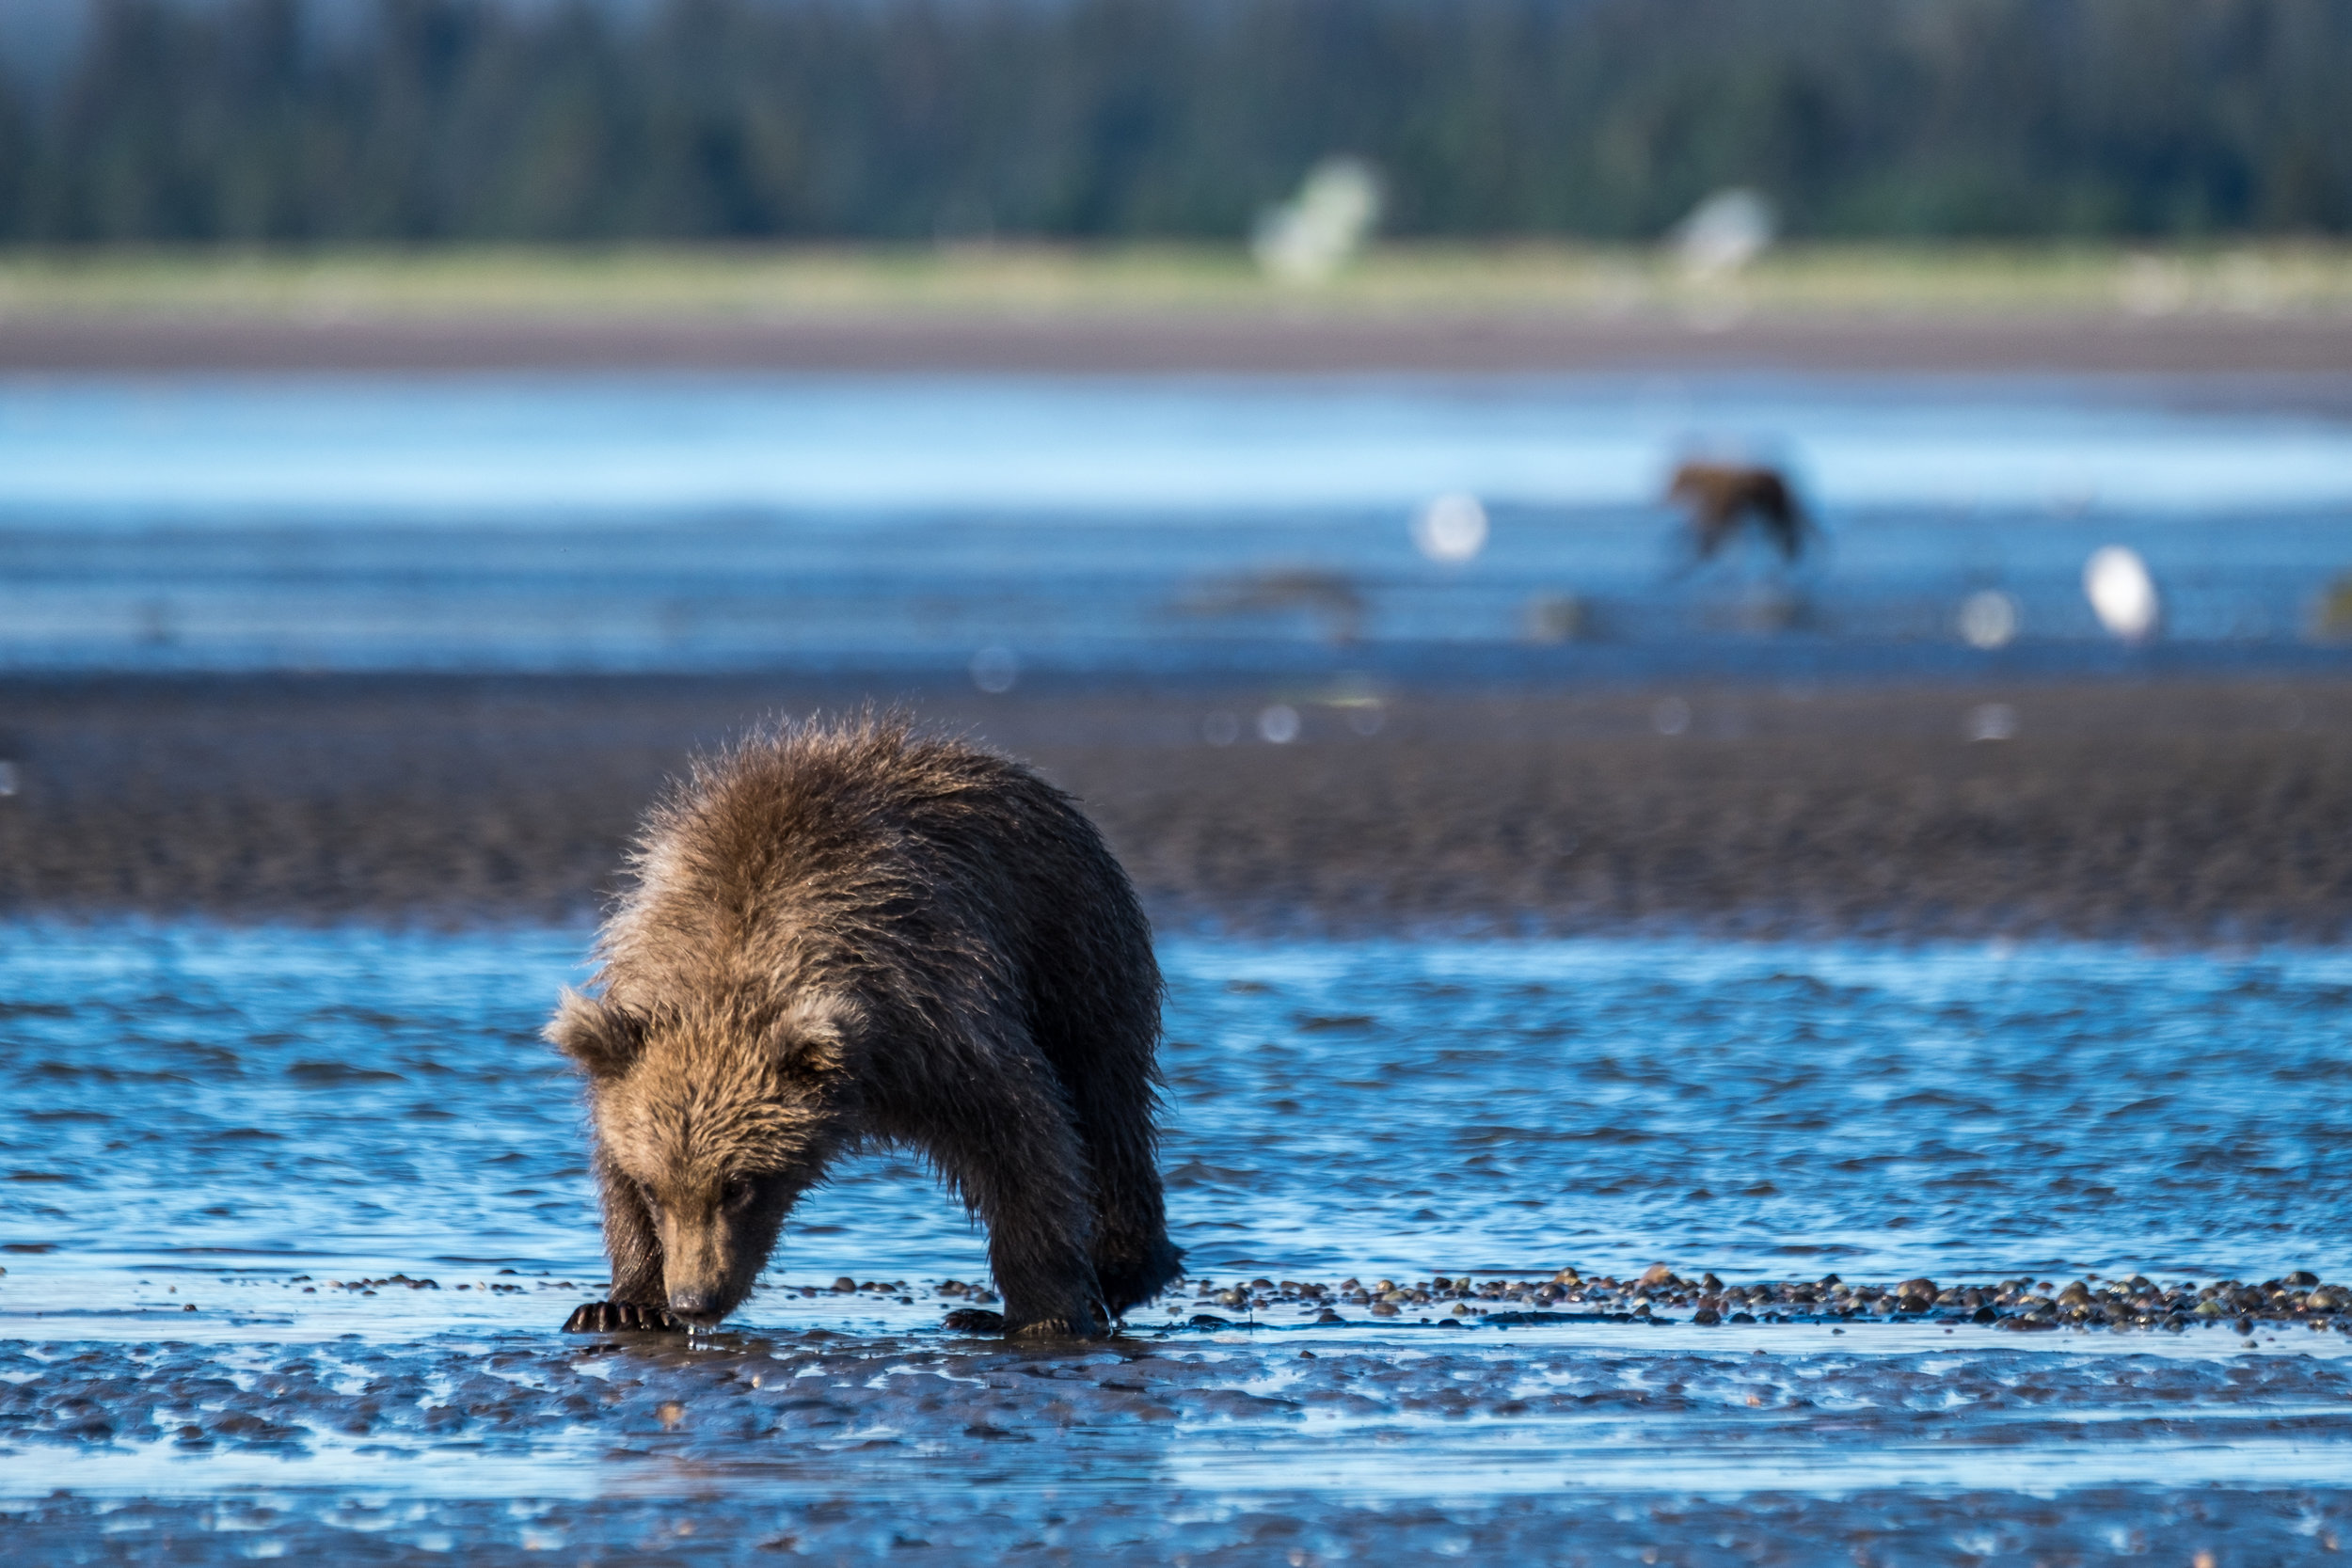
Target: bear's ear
{"x":603,"y":1038}
{"x":813,"y":1036}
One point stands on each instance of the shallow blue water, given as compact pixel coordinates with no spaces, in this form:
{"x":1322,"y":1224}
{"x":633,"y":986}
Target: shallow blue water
{"x":454,"y":448}
{"x":189,"y":1098}
{"x":702,"y":522}
{"x":213,"y":1138}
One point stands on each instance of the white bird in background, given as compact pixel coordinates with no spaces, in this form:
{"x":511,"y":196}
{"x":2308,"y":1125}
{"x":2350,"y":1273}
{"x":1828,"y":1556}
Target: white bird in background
{"x":2122,"y":593}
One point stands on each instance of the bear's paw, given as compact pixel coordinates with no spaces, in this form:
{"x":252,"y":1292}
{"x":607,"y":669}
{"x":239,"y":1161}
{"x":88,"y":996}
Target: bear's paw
{"x":621,"y":1317}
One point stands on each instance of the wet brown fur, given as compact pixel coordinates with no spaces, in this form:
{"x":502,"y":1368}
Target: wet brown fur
{"x":850,"y":933}
{"x":1722,"y":495}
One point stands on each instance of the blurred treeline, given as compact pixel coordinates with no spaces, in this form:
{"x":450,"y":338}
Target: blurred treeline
{"x":424,"y":119}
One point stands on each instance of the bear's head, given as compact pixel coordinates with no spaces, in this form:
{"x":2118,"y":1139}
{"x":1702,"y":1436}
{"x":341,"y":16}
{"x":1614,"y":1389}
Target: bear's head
{"x":718,"y":1118}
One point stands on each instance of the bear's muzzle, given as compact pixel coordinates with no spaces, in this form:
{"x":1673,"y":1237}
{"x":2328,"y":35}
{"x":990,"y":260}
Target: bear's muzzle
{"x":697,"y":1303}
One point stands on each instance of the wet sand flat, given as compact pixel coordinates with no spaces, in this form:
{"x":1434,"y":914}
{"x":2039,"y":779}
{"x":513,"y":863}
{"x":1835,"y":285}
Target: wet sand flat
{"x":1286,"y":341}
{"x":2182,"y":810}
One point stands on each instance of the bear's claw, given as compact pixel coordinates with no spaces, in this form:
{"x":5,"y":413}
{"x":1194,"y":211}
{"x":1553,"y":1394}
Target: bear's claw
{"x":1056,"y":1328}
{"x":974,"y":1319}
{"x":621,"y":1317}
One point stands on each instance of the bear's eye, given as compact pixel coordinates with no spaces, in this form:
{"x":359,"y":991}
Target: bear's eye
{"x":739,"y":1193}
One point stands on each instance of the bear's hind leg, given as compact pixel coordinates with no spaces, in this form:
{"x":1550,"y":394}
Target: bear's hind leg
{"x":1118,"y":1112}
{"x":1133,"y":1274}
{"x":1134,"y":1260}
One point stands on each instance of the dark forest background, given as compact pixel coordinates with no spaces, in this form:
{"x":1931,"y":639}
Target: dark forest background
{"x":430,"y":119}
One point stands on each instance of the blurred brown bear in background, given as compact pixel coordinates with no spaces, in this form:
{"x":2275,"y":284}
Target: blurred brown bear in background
{"x":1720,"y":497}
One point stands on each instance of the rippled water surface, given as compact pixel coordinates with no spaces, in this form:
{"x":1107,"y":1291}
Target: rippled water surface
{"x":207,"y":1133}
{"x":274,"y":1098}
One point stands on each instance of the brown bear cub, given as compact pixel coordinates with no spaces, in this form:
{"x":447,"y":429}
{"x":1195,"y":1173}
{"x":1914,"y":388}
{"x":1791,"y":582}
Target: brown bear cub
{"x":846,"y":935}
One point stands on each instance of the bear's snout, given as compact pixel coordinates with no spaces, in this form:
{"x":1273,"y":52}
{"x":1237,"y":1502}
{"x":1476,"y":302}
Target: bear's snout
{"x":704,"y":1277}
{"x":696,"y":1302}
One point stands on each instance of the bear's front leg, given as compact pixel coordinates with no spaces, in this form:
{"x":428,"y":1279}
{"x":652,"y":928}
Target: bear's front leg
{"x":637,"y":1304}
{"x":1033,"y":1198}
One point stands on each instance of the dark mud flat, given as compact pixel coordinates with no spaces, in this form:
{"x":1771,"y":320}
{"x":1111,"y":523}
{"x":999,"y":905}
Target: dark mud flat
{"x":1179,"y":1450}
{"x":2180,"y":810}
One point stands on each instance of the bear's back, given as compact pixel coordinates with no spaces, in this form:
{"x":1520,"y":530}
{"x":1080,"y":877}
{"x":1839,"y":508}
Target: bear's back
{"x":917,"y":868}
